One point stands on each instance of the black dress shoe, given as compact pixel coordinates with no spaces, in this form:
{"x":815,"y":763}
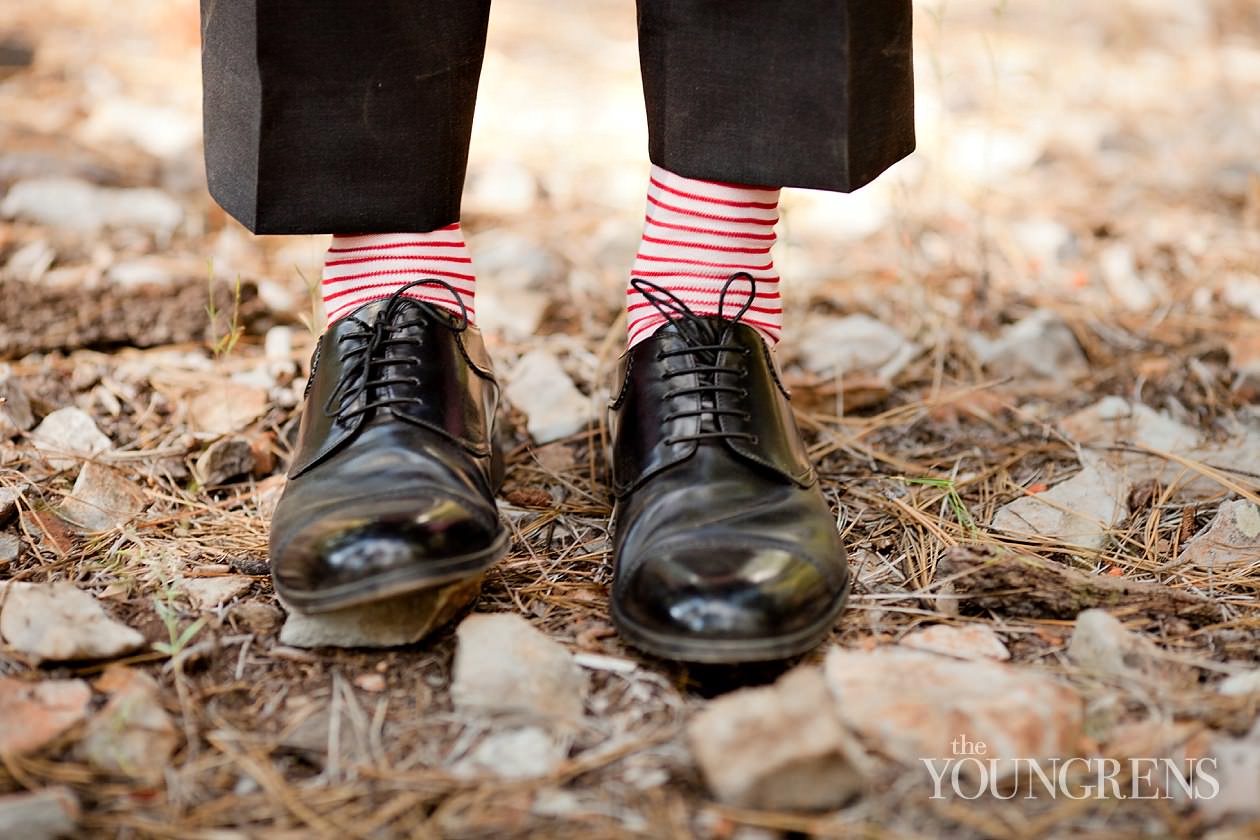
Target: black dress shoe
{"x":725,"y":549}
{"x":392,"y":486}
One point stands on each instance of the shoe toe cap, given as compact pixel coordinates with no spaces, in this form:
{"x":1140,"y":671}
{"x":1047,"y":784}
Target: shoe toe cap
{"x":727,"y":593}
{"x":345,"y":552}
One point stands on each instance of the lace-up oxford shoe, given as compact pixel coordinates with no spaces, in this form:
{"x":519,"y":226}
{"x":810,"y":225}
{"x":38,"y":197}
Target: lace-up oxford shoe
{"x":392,"y":486}
{"x":725,"y":549}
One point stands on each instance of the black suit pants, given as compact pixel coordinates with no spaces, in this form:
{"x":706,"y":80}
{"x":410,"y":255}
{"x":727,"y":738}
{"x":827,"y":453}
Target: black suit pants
{"x":331,"y":116}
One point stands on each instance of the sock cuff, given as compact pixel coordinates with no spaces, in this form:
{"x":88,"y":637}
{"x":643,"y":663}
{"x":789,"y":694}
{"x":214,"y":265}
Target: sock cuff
{"x":698,"y":234}
{"x":361,"y":268}
{"x":715,"y":189}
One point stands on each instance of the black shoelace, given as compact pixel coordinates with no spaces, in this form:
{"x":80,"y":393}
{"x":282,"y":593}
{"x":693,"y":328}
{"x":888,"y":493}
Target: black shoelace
{"x":366,"y":365}
{"x":703,"y":337}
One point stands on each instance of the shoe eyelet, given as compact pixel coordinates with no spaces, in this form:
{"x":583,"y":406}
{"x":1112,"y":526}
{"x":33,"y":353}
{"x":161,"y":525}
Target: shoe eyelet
{"x":743,"y":392}
{"x":669,"y":441}
{"x":755,"y":440}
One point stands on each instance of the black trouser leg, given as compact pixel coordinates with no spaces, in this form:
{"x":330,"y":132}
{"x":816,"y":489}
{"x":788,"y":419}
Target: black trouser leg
{"x":804,"y":93}
{"x":328,"y":116}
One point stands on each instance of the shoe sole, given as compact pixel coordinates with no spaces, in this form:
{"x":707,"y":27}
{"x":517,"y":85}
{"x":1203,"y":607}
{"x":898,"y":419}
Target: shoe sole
{"x":435,"y":573}
{"x":708,"y":651}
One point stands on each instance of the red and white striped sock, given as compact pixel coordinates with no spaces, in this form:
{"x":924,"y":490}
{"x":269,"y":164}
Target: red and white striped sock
{"x":698,"y":234}
{"x":371,"y":266}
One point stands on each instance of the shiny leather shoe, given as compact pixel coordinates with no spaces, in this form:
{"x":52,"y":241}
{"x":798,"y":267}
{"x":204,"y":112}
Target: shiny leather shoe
{"x":725,"y":549}
{"x":392,"y":486}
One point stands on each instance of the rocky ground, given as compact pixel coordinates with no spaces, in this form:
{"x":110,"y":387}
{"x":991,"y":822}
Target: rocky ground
{"x":1027,"y":361}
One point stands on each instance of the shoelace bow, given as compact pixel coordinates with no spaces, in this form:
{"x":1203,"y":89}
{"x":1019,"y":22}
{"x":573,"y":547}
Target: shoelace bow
{"x":703,"y":338}
{"x":373,"y":355}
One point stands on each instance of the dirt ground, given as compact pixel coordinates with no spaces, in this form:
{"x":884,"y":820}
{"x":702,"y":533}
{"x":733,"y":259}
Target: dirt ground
{"x":1097,"y":163}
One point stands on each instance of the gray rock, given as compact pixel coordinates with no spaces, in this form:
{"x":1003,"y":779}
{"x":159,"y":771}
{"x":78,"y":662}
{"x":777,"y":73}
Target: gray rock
{"x":56,"y":622}
{"x":72,"y":204}
{"x":527,"y":752}
{"x":1133,"y":290}
{"x":149,"y":210}
{"x":501,"y":187}
{"x":912,"y":706}
{"x":855,"y":343}
{"x":47,"y":814}
{"x":985,"y":155}
{"x":1240,"y":685}
{"x":226,"y":407}
{"x":132,"y":736}
{"x":834,"y":217}
{"x":9,"y":496}
{"x":1242,"y":291}
{"x":34,"y":713}
{"x":65,"y":203}
{"x":525,"y":274}
{"x":1232,"y":540}
{"x":278,"y":344}
{"x":1147,"y":438}
{"x":1102,"y":646}
{"x":15,"y":407}
{"x":224,"y":459}
{"x":278,"y":351}
{"x":1237,"y":772}
{"x":1041,"y":345}
{"x":398,"y":621}
{"x":153,"y":270}
{"x":539,"y":386}
{"x":102,"y":499}
{"x":970,"y":641}
{"x":1080,"y":511}
{"x":161,"y":131}
{"x":267,"y":493}
{"x":10,"y":545}
{"x":505,"y":667}
{"x":26,"y":164}
{"x":1115,"y":419}
{"x":208,"y":593}
{"x":311,"y":730}
{"x":277,"y":297}
{"x":516,"y":260}
{"x":513,"y":313}
{"x":555,"y":802}
{"x":256,"y":617}
{"x":30,"y":262}
{"x":778,"y":747}
{"x":67,"y":436}
{"x":1046,"y":241}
